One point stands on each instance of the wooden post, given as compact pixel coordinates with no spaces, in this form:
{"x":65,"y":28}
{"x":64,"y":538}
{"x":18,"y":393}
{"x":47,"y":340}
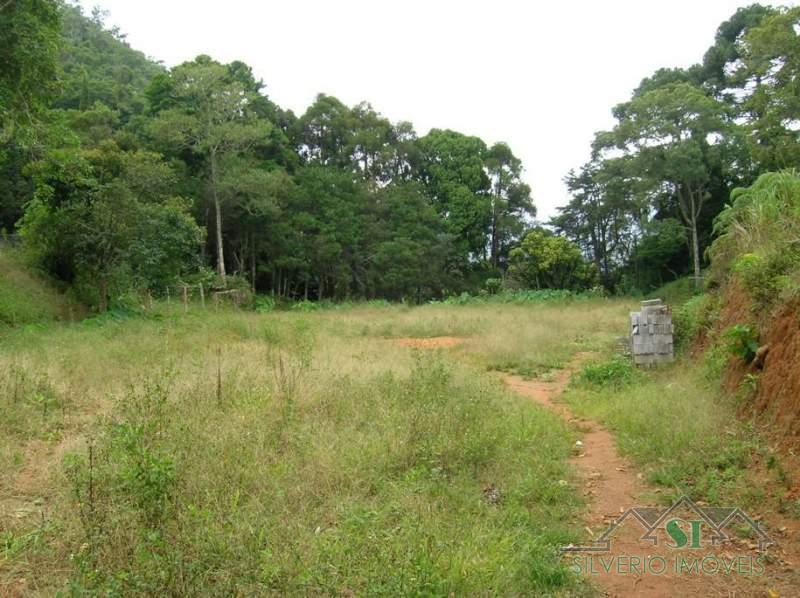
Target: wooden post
{"x":202,"y":296}
{"x":185,"y":298}
{"x":219,"y":376}
{"x":169,"y":299}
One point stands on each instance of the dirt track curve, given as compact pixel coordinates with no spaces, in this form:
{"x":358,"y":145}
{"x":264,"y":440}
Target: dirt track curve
{"x":611,"y":485}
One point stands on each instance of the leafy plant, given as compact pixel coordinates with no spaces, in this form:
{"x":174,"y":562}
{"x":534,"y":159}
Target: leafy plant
{"x":742,"y":341}
{"x":616,"y":372}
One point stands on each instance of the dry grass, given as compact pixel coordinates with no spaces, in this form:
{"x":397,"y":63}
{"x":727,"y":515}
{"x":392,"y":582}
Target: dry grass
{"x":289,"y":453}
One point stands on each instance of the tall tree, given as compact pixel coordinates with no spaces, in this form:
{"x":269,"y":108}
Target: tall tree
{"x":511,"y":201}
{"x":451,"y":166}
{"x":29,"y":38}
{"x":672,"y":136}
{"x":208,"y":111}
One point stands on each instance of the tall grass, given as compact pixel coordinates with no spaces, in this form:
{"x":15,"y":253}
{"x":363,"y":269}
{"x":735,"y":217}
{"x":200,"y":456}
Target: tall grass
{"x":223,"y":453}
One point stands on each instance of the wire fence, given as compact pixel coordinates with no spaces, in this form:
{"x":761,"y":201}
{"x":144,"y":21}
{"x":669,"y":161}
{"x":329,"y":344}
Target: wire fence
{"x":202,"y":293}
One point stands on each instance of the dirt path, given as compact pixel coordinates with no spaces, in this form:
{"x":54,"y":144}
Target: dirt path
{"x":611,"y":486}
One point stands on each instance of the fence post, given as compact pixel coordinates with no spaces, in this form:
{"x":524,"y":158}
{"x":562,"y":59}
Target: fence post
{"x":202,"y":296}
{"x":185,"y":299}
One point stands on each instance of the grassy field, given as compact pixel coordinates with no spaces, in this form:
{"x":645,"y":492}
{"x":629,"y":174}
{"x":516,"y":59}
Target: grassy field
{"x":236,"y":453}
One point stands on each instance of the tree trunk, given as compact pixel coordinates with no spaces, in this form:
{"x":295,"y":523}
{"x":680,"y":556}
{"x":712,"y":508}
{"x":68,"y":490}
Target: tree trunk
{"x":103,"y":299}
{"x":218,"y":215}
{"x":253,"y":262}
{"x":696,"y":254}
{"x":693,"y":214}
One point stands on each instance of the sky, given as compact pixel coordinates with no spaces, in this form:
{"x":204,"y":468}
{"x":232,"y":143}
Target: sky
{"x":542,"y":77}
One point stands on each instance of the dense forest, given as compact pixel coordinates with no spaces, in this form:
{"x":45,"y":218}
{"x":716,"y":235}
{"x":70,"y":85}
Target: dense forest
{"x":121,"y":176}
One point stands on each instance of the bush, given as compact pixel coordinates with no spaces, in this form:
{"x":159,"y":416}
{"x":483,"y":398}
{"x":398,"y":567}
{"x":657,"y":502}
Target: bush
{"x":765,"y":277}
{"x":493,"y":285}
{"x":695,"y":316}
{"x":264,"y":304}
{"x":742,"y":341}
{"x":616,"y":372}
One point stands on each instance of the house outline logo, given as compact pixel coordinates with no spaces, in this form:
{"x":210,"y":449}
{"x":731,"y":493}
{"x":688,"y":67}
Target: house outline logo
{"x":653,"y":519}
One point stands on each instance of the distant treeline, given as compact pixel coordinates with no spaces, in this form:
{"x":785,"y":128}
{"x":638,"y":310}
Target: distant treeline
{"x":121,"y":175}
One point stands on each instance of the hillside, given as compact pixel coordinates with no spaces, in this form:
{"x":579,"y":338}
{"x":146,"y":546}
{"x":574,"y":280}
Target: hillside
{"x":750,"y":319}
{"x":27,"y":298}
{"x":98,"y":65}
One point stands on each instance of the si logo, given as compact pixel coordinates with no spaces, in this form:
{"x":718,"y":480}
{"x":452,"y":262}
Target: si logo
{"x":682,"y":537}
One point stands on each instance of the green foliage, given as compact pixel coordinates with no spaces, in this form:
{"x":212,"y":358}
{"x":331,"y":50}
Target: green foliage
{"x":742,"y":341}
{"x":92,"y":223}
{"x":264,"y":304}
{"x":616,"y":372}
{"x":493,"y":285}
{"x":757,"y":238}
{"x":694,"y":317}
{"x":680,"y":144}
{"x":676,"y":292}
{"x":547,"y":261}
{"x":28,"y":51}
{"x":521,"y":297}
{"x":98,"y":66}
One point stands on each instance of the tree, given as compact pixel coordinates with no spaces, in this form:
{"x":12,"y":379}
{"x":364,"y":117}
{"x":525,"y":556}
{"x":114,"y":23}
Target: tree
{"x":451,"y":167}
{"x":672,"y":136}
{"x":209,"y":113}
{"x":547,"y":261}
{"x":92,"y":223}
{"x":602,"y":217}
{"x":771,"y":58}
{"x":408,"y":252}
{"x":28,"y":51}
{"x":511,"y":200}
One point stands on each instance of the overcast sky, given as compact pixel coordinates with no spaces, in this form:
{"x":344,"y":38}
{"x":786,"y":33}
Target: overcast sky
{"x":540,"y":76}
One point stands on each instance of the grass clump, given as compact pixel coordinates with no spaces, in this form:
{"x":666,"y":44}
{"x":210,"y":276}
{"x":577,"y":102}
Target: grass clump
{"x":673,"y":423}
{"x":616,"y":372}
{"x":758,"y":239}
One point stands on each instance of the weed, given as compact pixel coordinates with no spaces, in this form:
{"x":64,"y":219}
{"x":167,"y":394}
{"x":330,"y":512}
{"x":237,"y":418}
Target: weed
{"x":742,"y":341}
{"x":616,"y":372}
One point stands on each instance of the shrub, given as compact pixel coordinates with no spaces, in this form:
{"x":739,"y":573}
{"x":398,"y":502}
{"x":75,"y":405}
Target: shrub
{"x":693,"y":317}
{"x":742,"y":341}
{"x":616,"y":372}
{"x":264,"y":304}
{"x":493,"y":285}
